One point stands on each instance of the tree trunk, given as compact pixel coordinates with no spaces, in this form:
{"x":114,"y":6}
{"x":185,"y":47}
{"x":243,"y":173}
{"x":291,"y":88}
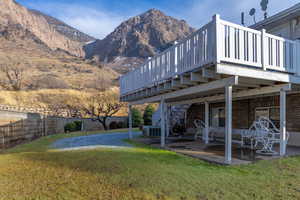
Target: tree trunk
{"x":103,"y":122}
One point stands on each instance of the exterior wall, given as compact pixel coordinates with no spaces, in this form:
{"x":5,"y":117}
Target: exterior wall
{"x":289,"y":30}
{"x":283,"y":30}
{"x":244,"y":113}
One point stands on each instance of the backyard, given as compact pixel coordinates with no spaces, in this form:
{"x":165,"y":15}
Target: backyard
{"x":37,"y":171}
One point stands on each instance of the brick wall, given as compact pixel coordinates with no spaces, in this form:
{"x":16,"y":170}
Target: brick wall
{"x":244,"y":111}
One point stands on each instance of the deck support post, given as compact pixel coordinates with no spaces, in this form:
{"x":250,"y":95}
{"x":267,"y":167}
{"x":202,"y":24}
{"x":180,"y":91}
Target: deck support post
{"x":206,"y":130}
{"x":283,"y":135}
{"x":129,"y":122}
{"x":228,"y":125}
{"x":167,"y":121}
{"x":162,"y":123}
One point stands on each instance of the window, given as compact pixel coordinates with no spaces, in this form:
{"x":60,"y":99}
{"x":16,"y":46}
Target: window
{"x":262,"y":112}
{"x":218,"y":117}
{"x":273,"y":113}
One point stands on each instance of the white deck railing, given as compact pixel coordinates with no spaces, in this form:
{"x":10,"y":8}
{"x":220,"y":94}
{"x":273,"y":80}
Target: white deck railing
{"x":216,"y":42}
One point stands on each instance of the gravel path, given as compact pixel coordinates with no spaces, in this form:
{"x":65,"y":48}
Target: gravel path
{"x":110,"y":140}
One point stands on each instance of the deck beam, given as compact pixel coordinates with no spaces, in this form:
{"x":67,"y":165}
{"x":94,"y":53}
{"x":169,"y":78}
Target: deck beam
{"x":237,"y":95}
{"x":197,"y":77}
{"x":210,"y":86}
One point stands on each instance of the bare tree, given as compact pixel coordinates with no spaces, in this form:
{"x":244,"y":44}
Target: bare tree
{"x":103,"y":106}
{"x":14,"y":74}
{"x":66,"y":106}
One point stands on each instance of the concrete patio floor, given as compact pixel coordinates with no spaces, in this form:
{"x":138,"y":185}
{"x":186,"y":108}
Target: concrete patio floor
{"x":214,"y":152}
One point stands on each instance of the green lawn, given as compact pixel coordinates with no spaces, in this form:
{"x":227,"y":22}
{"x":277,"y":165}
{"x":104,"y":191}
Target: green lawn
{"x":33,"y":171}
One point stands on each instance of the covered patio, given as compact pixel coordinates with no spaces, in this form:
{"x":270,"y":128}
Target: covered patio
{"x":224,"y":90}
{"x":214,"y":151}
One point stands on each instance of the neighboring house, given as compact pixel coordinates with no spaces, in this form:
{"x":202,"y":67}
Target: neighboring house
{"x":284,"y":24}
{"x":230,"y":75}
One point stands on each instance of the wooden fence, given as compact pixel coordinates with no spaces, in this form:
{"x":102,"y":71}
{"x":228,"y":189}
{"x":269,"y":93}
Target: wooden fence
{"x":28,"y":129}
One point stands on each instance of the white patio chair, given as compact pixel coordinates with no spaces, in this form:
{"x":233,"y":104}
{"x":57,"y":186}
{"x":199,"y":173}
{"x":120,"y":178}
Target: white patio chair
{"x":266,"y":134}
{"x":248,"y":135}
{"x":200,"y":125}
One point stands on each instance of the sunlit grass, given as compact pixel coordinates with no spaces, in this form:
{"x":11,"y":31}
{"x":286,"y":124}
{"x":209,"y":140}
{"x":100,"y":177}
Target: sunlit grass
{"x":35,"y":171}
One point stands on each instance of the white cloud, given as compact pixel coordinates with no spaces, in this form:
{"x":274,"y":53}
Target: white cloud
{"x":95,"y":22}
{"x":202,"y":11}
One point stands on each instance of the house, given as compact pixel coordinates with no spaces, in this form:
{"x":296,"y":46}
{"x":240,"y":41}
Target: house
{"x":230,"y":75}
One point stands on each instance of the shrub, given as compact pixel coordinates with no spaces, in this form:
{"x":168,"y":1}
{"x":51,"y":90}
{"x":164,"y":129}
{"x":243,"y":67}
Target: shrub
{"x":117,"y":125}
{"x":122,"y":125}
{"x":148,"y":115}
{"x":73,"y":126}
{"x":113,"y":125}
{"x":78,"y":125}
{"x":137,"y":119}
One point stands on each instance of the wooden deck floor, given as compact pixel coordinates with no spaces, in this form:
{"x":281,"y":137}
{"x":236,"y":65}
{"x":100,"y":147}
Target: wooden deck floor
{"x":214,"y":152}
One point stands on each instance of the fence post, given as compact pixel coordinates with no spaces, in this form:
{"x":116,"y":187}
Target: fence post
{"x":45,"y":126}
{"x":3,"y":138}
{"x":10,"y":132}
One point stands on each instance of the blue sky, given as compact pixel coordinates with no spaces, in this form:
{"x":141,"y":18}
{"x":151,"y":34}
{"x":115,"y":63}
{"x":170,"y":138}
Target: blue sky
{"x":99,"y":17}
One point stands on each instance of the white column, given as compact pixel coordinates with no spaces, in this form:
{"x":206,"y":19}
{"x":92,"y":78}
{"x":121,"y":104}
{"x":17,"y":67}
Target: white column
{"x":162,"y":123}
{"x":167,"y":121}
{"x":228,"y":125}
{"x":206,"y":132}
{"x":283,"y":137}
{"x":129,"y":122}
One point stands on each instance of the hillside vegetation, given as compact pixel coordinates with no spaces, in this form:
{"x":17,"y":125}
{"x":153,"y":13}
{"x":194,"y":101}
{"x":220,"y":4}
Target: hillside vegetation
{"x":52,"y":98}
{"x":43,"y":60}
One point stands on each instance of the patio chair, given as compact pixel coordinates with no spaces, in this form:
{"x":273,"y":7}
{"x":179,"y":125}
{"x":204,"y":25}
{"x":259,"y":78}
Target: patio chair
{"x":248,"y":135}
{"x":264,"y":132}
{"x":200,"y":125}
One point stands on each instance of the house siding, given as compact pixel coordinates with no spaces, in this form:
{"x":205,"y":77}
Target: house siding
{"x":244,"y":111}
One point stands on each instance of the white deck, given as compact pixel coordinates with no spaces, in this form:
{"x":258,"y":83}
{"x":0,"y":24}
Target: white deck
{"x":223,"y":62}
{"x":217,"y":50}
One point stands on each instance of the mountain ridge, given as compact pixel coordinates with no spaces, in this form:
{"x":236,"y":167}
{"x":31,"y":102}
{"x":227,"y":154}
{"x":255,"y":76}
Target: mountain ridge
{"x":12,"y":13}
{"x":141,"y":36}
{"x":65,"y":29}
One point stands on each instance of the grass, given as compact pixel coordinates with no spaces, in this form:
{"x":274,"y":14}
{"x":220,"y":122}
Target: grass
{"x":34,"y":171}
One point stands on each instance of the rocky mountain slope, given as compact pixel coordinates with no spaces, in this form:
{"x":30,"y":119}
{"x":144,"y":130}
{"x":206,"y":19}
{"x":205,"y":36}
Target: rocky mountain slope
{"x":139,"y":37}
{"x":43,"y":68}
{"x":50,"y":52}
{"x":42,"y":56}
{"x":13,"y":14}
{"x":65,"y":29}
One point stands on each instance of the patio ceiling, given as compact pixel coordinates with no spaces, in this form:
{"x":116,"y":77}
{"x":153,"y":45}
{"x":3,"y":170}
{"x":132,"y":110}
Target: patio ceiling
{"x":214,"y":91}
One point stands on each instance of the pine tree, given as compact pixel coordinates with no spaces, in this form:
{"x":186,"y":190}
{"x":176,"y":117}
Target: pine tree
{"x":148,"y":115}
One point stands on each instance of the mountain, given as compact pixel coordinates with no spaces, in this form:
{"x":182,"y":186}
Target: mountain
{"x":46,"y":53}
{"x":42,"y":27}
{"x":139,"y":37}
{"x":65,"y":29}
